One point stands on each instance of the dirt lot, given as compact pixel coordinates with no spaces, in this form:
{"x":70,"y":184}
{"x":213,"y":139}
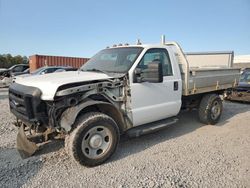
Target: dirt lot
{"x":186,"y":154}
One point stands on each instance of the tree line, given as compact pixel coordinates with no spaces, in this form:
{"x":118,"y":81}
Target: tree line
{"x":7,"y":60}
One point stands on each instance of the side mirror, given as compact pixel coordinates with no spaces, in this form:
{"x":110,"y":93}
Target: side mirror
{"x":152,"y":74}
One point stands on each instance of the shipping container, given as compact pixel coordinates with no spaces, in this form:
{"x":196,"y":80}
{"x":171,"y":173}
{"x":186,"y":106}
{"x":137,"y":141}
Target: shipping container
{"x":37,"y":61}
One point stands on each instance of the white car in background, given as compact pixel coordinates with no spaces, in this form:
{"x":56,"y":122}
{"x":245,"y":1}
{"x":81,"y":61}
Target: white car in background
{"x":44,"y":70}
{"x":6,"y":75}
{"x":5,"y":81}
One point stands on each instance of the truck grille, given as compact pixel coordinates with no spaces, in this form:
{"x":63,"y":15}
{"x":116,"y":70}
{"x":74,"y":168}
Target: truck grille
{"x":25,"y":103}
{"x":21,"y":104}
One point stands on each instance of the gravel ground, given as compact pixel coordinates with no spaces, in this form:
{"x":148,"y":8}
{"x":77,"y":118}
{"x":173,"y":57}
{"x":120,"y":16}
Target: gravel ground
{"x":186,"y":154}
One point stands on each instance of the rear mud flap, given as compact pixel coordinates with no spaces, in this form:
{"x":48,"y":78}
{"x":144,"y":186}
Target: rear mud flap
{"x":25,"y":147}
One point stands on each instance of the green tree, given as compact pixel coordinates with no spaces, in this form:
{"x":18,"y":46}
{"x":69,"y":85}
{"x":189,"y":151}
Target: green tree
{"x":7,"y":60}
{"x":25,"y":60}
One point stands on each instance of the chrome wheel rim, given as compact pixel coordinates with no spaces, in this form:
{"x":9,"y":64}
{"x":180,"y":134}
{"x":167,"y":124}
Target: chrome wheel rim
{"x":216,"y":110}
{"x":96,"y":142}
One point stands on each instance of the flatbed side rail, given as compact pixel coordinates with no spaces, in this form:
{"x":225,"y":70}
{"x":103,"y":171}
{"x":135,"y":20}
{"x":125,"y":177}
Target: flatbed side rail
{"x":204,"y":79}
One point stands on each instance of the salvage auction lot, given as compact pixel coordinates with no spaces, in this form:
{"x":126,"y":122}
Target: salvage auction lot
{"x":184,"y":154}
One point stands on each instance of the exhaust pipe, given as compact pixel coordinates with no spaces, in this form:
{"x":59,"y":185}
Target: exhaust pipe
{"x":163,"y":39}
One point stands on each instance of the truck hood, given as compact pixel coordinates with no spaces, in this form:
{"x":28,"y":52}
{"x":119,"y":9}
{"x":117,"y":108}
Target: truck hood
{"x":49,"y":83}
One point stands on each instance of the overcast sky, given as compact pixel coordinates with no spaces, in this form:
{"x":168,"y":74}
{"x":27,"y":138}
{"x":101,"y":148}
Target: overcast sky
{"x":81,"y":28}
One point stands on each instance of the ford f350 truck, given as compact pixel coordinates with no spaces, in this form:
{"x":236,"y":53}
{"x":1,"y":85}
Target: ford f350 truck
{"x":125,"y":89}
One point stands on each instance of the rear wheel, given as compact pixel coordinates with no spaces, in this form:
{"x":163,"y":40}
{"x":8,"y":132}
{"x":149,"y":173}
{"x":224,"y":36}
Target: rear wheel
{"x":94,"y":139}
{"x":210,"y":109}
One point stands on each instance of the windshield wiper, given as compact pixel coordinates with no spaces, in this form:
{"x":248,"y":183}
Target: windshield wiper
{"x":96,"y":70}
{"x":102,"y":71}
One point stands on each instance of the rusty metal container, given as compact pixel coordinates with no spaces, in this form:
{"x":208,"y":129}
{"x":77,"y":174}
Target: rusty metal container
{"x":37,"y":61}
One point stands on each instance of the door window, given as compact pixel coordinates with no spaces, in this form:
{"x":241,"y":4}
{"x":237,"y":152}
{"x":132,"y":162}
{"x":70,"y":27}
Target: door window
{"x":17,"y":69}
{"x":25,"y":67}
{"x":160,"y":55}
{"x":49,"y":70}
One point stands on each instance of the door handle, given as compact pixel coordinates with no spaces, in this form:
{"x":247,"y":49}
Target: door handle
{"x":176,"y":85}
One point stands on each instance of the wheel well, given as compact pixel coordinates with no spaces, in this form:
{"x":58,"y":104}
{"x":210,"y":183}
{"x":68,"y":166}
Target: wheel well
{"x":109,"y":110}
{"x":193,"y":101}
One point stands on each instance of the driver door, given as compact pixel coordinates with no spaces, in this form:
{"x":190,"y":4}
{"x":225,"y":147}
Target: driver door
{"x":156,"y":101}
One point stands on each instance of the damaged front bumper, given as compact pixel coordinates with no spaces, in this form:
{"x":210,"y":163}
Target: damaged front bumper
{"x":25,"y":147}
{"x":27,"y":144}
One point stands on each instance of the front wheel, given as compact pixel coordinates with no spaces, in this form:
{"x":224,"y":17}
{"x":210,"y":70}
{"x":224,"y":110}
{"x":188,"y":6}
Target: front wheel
{"x":94,"y":139}
{"x":210,"y":109}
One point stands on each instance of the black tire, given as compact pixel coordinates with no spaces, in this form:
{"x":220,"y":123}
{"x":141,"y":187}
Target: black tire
{"x":91,"y":128}
{"x":210,"y":109}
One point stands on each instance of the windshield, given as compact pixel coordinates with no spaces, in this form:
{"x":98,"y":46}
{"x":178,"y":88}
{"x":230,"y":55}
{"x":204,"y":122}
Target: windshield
{"x":245,"y":77}
{"x":38,"y":70}
{"x":116,"y":60}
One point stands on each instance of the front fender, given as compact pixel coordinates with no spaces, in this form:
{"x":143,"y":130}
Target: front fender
{"x":69,"y":116}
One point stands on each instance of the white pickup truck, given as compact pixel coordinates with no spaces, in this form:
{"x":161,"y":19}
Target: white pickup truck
{"x":125,"y":89}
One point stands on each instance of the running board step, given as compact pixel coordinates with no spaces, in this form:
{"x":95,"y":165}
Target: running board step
{"x":151,"y":127}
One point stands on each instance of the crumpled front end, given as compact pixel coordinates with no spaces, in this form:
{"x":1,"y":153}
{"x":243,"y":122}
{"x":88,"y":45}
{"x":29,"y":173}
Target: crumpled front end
{"x":42,"y":120}
{"x":31,"y":113}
